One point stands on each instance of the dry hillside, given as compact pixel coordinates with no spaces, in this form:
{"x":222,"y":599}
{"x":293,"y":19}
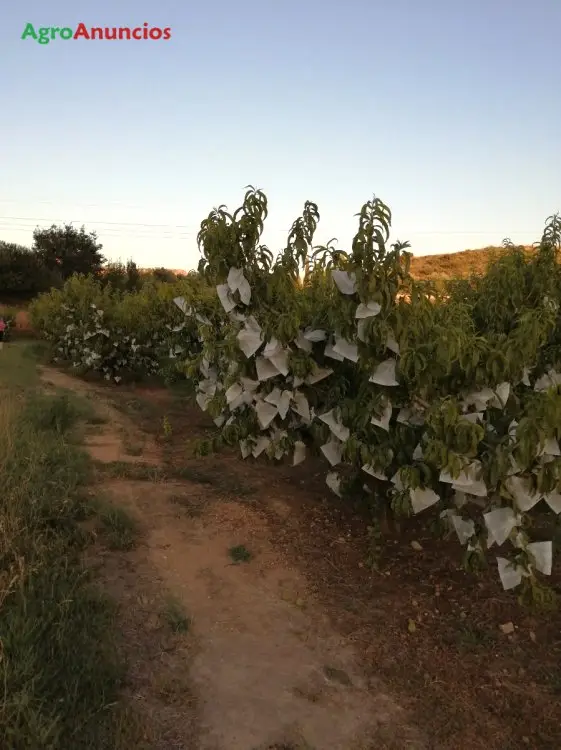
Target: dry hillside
{"x":444,"y":266}
{"x":454,"y":265}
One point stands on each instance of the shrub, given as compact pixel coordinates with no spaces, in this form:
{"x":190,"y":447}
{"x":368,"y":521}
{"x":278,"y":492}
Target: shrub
{"x":163,"y":274}
{"x":122,"y":278}
{"x":98,"y":329}
{"x":422,"y":397}
{"x":419,"y":396}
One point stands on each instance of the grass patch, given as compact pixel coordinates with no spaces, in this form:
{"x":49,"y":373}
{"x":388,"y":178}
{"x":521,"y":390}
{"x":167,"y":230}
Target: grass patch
{"x":301,"y":744}
{"x":18,"y":366}
{"x":133,"y":449}
{"x":224,"y":482}
{"x":38,"y":349}
{"x":135,"y":471}
{"x":60,"y":667}
{"x":175,"y":616}
{"x":141,"y":410}
{"x":239,"y":554}
{"x":57,"y":413}
{"x":88,"y":409}
{"x":131,"y":446}
{"x":118,"y":528}
{"x":193,"y":508}
{"x":144,"y":472}
{"x":198,"y":475}
{"x":471,"y":636}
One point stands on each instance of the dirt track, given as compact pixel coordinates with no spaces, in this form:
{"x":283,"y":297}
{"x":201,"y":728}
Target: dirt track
{"x":261,"y":667}
{"x":328,"y":635}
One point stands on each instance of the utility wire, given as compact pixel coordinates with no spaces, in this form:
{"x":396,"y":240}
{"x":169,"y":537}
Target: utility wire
{"x":123,"y":236}
{"x":442,"y":232}
{"x":122,"y":204}
{"x":91,"y":221}
{"x":115,"y":230}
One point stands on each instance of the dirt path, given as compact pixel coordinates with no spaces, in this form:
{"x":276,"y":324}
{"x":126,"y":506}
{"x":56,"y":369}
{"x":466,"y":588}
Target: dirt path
{"x":260,"y":666}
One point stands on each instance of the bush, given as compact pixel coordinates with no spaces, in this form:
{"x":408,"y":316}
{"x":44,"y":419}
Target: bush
{"x":164,"y":274}
{"x":421,"y":397}
{"x":120,"y":277}
{"x":98,"y":329}
{"x":22,"y":273}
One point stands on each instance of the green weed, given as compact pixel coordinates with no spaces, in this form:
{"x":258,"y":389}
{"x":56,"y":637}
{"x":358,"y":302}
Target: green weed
{"x":239,"y":554}
{"x":470,"y":637}
{"x":18,"y":366}
{"x":60,"y":668}
{"x":175,"y":616}
{"x":118,"y":528}
{"x":138,"y":471}
{"x":58,"y":413}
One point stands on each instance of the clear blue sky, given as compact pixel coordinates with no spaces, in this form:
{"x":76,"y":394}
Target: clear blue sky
{"x":448,"y":110}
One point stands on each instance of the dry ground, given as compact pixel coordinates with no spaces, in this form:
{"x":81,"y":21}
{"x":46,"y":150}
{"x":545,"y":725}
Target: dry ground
{"x":287,"y":635}
{"x":260,"y":665}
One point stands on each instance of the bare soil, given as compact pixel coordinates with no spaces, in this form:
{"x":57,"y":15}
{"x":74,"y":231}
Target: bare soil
{"x":261,"y":667}
{"x":319,"y":640}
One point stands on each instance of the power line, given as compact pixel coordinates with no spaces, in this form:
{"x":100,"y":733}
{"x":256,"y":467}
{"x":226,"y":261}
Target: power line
{"x":114,"y":229}
{"x":440,"y":232}
{"x":148,"y":231}
{"x":464,"y":232}
{"x":436,"y":233}
{"x":154,"y":238}
{"x":83,"y":205}
{"x":106,"y":233}
{"x":144,"y":230}
{"x":91,"y":221}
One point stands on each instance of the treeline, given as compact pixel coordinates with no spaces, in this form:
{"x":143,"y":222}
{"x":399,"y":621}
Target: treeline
{"x":59,"y":252}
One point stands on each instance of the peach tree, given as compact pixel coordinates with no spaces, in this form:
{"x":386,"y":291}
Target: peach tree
{"x":423,"y":397}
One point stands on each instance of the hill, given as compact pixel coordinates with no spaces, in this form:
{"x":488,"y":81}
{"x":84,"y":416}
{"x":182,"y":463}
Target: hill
{"x":454,"y":265}
{"x":444,"y":266}
{"x":176,"y":271}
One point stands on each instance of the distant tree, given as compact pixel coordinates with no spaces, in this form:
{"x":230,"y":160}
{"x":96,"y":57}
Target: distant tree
{"x":68,"y":250}
{"x":115,"y":275}
{"x":164,"y":274}
{"x":23,"y":274}
{"x":120,"y":277}
{"x":134,"y":278}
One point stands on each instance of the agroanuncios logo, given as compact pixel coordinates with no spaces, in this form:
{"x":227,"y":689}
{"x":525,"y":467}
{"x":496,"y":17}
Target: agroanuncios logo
{"x":46,"y":34}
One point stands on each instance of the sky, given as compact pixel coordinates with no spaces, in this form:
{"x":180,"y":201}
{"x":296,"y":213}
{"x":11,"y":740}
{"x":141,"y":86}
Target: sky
{"x":447,"y":111}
